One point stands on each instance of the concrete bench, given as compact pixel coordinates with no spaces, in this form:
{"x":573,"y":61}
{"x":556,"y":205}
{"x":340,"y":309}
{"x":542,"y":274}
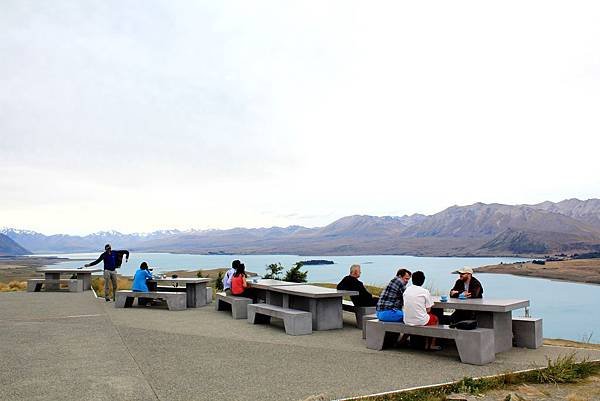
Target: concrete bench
{"x":169,"y":288}
{"x":365,"y":319}
{"x":527,"y":332}
{"x":296,"y":322}
{"x":359,"y":311}
{"x":237,"y":305}
{"x":35,"y":285}
{"x":475,"y":347}
{"x":175,"y":300}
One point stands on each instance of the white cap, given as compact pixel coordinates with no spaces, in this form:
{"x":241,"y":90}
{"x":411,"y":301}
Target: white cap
{"x":464,"y":270}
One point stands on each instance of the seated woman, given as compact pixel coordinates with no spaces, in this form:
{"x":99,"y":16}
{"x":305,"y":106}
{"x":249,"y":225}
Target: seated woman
{"x":139,"y":283}
{"x":139,"y":280}
{"x":239,"y":286}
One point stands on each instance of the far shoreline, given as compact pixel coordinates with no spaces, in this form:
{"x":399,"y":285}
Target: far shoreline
{"x":583,"y":271}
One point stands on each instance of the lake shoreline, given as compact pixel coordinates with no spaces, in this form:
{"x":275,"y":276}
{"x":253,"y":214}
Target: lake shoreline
{"x":19,"y":268}
{"x":585,"y":271}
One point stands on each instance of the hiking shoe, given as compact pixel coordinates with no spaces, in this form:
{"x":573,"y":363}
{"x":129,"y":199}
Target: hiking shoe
{"x":107,"y":299}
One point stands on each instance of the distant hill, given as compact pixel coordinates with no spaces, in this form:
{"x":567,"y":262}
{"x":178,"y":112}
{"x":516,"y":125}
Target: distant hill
{"x":475,"y":230}
{"x":587,"y":211}
{"x":9,"y":247}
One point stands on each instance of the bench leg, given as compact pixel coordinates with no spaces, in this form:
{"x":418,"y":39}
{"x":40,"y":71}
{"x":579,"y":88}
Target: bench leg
{"x":298,"y":325}
{"x":177,"y":303}
{"x":476,"y":349}
{"x":239,"y":310}
{"x":120,"y":302}
{"x":34,"y":287}
{"x":258,"y":318}
{"x":375,"y":334}
{"x":221,"y":305}
{"x":128,"y":302}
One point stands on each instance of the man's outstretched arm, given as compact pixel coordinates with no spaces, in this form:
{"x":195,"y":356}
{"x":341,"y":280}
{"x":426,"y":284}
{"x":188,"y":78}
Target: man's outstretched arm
{"x":95,"y":262}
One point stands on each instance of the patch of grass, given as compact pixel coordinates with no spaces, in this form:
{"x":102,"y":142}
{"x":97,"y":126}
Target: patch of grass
{"x":123,"y":283}
{"x":565,"y":369}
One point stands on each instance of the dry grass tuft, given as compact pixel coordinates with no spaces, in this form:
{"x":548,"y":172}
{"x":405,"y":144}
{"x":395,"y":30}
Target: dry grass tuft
{"x":13,"y":286}
{"x":123,"y":283}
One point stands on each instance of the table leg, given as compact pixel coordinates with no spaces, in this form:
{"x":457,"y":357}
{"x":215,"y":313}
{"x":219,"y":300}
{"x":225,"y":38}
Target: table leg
{"x":327,"y":313}
{"x":501,"y":322}
{"x":286,"y":301}
{"x":274,"y":298}
{"x":52,"y":281}
{"x":87,"y":280}
{"x":196,"y":294}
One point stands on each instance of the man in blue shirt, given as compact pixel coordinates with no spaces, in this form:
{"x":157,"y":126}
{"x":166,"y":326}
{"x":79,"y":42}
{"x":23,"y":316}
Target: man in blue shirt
{"x":112,"y":260}
{"x":389,"y":306}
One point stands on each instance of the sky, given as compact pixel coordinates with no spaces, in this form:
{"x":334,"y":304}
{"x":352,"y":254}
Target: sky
{"x":146,"y":115}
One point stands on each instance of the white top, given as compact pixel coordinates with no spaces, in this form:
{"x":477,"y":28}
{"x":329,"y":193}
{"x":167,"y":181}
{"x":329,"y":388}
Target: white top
{"x":416,"y":301}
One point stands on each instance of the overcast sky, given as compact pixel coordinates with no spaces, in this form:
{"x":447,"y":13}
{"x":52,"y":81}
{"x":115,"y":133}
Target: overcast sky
{"x":144,"y":115}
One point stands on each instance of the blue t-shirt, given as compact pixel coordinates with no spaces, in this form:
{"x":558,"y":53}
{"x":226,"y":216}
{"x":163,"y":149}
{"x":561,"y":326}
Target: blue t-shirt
{"x":139,"y":280}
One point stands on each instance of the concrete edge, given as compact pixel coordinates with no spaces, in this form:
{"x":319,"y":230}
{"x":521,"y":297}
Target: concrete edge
{"x":434,"y":386}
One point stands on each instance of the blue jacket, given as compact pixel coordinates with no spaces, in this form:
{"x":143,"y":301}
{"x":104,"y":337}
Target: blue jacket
{"x":139,"y":280}
{"x":111,"y":261}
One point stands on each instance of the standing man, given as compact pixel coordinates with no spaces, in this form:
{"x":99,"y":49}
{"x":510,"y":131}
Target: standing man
{"x":235,"y":265}
{"x":112,"y":261}
{"x":389,"y":306}
{"x":352,"y":283}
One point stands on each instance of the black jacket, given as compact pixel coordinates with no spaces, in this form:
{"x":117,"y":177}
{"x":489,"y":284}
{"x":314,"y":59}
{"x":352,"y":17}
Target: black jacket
{"x":364,"y":297}
{"x":475,"y":288}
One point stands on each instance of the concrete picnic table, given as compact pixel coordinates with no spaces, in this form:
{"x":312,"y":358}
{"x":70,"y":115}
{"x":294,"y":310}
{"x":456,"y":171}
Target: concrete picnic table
{"x":195,"y":288}
{"x":490,"y":313}
{"x":325,"y":304}
{"x":52,"y":276}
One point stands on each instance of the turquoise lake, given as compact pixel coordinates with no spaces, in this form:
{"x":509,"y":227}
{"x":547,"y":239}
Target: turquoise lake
{"x":567,"y":308}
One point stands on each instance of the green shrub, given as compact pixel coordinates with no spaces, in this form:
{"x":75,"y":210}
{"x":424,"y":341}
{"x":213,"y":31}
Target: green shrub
{"x":295,"y":275}
{"x":274,"y":271}
{"x":219,"y":281}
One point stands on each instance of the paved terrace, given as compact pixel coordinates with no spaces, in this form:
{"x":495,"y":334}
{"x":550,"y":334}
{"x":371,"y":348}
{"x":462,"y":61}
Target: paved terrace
{"x":71,"y":346}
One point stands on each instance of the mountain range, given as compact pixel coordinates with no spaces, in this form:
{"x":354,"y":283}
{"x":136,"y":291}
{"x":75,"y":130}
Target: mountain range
{"x":569,"y":226}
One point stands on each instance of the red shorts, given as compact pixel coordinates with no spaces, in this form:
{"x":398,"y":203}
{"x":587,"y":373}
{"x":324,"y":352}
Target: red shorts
{"x":433,"y":320}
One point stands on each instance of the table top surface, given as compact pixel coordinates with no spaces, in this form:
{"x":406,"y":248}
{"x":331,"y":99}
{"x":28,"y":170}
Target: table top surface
{"x":68,"y":270}
{"x":192,"y":280}
{"x":482,"y":304}
{"x":305,"y":290}
{"x":267,"y":282}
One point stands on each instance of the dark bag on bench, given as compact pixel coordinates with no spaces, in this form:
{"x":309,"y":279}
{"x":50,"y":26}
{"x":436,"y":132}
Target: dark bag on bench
{"x":465,"y":325}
